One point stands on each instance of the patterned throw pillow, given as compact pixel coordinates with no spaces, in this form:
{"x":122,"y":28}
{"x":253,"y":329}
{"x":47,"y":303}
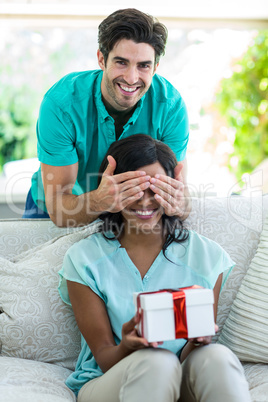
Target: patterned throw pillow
{"x":246,"y":329}
{"x":34,"y":322}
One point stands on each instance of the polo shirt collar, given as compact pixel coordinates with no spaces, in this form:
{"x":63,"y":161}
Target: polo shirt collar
{"x":136,"y":113}
{"x":103,"y":114}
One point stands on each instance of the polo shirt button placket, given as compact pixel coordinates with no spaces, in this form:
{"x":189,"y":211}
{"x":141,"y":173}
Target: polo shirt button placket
{"x":110,"y":128}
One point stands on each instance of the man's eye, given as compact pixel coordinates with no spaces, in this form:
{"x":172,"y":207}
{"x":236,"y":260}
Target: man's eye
{"x":122,"y":63}
{"x":145,"y":65}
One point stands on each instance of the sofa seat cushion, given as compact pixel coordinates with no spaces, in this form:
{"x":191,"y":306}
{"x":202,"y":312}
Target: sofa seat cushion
{"x":26,"y":380}
{"x":256,"y":375}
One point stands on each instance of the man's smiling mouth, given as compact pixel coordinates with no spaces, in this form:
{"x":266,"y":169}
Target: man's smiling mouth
{"x":127,"y":89}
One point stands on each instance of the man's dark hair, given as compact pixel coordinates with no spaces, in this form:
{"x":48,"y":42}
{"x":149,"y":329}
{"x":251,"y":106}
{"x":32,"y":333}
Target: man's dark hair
{"x":134,"y":25}
{"x":131,"y":154}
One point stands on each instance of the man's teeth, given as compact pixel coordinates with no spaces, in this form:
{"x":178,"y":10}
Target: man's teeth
{"x":144,"y":213}
{"x":127,"y":89}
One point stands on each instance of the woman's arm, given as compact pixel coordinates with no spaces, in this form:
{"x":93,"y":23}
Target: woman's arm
{"x":190,"y":345}
{"x":93,"y":322}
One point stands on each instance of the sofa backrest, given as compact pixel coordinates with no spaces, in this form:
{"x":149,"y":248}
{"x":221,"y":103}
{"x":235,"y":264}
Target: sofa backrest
{"x":235,"y":223}
{"x":19,"y":235}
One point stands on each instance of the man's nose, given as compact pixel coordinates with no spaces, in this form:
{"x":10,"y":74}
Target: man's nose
{"x":131,"y":76}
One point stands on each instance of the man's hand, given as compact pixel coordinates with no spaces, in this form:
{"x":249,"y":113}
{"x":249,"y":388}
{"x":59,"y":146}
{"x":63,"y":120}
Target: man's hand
{"x":169,"y":192}
{"x":116,"y":192}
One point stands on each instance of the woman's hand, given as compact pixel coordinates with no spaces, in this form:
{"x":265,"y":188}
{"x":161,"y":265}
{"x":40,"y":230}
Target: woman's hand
{"x":193,"y":343}
{"x":131,"y":341}
{"x":203,"y":340}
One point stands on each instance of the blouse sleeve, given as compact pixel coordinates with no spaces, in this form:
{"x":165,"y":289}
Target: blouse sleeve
{"x":208,"y":259}
{"x":77,"y":268}
{"x":224,"y":265}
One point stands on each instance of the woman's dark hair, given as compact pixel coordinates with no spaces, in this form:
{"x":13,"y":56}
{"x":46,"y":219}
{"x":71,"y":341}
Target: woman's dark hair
{"x":131,"y":154}
{"x":133,"y":25}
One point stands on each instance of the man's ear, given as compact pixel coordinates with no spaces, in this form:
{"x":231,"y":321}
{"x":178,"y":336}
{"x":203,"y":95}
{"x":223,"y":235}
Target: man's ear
{"x":155,"y":67}
{"x":101,"y":61}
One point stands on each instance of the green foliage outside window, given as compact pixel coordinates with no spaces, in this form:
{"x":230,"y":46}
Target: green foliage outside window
{"x":17,"y":123}
{"x":243,"y":101}
{"x":34,"y":60}
{"x":24,"y":78}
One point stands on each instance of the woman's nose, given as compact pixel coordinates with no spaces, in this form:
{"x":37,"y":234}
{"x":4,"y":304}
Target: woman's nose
{"x":147,"y":198}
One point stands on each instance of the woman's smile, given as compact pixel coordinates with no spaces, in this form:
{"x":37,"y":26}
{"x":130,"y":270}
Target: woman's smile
{"x":144,"y":213}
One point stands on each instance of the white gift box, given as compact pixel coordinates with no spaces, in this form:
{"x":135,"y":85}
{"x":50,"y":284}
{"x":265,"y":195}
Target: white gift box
{"x":173,"y":314}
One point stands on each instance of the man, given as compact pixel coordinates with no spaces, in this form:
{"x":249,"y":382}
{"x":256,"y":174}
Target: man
{"x":83,"y":113}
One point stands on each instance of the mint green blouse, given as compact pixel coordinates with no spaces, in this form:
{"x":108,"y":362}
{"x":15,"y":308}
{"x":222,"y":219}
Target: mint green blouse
{"x":106,"y":268}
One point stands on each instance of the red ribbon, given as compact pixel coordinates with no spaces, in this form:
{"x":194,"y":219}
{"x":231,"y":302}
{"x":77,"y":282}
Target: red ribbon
{"x":179,"y":307}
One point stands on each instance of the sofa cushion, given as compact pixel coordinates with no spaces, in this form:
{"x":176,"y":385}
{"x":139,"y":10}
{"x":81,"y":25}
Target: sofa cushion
{"x":26,"y":380}
{"x":19,"y":235}
{"x":235,"y":223}
{"x":246,"y":329}
{"x":35,"y":323}
{"x":256,"y":375}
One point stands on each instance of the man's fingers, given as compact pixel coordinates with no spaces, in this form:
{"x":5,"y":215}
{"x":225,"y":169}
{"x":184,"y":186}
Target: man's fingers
{"x":109,"y":171}
{"x":128,"y":201}
{"x":142,"y":182}
{"x":128,"y":176}
{"x":129,"y":189}
{"x":166,"y":183}
{"x":169,"y":209}
{"x":171,"y":196}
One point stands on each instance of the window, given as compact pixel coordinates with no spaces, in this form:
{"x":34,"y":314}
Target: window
{"x":41,"y":43}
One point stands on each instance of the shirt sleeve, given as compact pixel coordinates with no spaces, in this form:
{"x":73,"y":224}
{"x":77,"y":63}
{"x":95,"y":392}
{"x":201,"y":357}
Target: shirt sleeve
{"x":207,"y":258}
{"x":55,"y":135}
{"x":77,"y":268}
{"x":176,"y":131}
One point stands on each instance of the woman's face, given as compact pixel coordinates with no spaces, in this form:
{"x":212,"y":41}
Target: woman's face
{"x":145,"y":214}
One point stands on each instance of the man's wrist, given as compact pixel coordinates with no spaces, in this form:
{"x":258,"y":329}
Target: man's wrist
{"x":93,"y":204}
{"x":187,"y":207}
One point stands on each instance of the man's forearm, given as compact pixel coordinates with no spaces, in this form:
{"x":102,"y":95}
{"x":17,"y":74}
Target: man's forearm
{"x":69,"y":210}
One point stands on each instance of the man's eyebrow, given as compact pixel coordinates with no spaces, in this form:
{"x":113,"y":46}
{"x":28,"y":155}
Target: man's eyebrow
{"x":139,"y":62}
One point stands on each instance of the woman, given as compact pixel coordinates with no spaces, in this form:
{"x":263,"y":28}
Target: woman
{"x":141,"y":248}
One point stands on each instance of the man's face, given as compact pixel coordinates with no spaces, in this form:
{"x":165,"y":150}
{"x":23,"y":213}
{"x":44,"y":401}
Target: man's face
{"x":127,"y":74}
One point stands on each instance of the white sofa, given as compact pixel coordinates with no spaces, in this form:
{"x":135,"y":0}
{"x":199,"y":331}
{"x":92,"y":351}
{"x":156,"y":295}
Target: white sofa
{"x":39,"y":339}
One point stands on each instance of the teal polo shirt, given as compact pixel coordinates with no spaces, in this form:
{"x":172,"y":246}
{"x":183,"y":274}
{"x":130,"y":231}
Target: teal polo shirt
{"x":74,"y":126}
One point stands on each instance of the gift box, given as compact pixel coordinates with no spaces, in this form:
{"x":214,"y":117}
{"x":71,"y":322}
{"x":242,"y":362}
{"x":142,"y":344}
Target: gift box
{"x":175,"y":313}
